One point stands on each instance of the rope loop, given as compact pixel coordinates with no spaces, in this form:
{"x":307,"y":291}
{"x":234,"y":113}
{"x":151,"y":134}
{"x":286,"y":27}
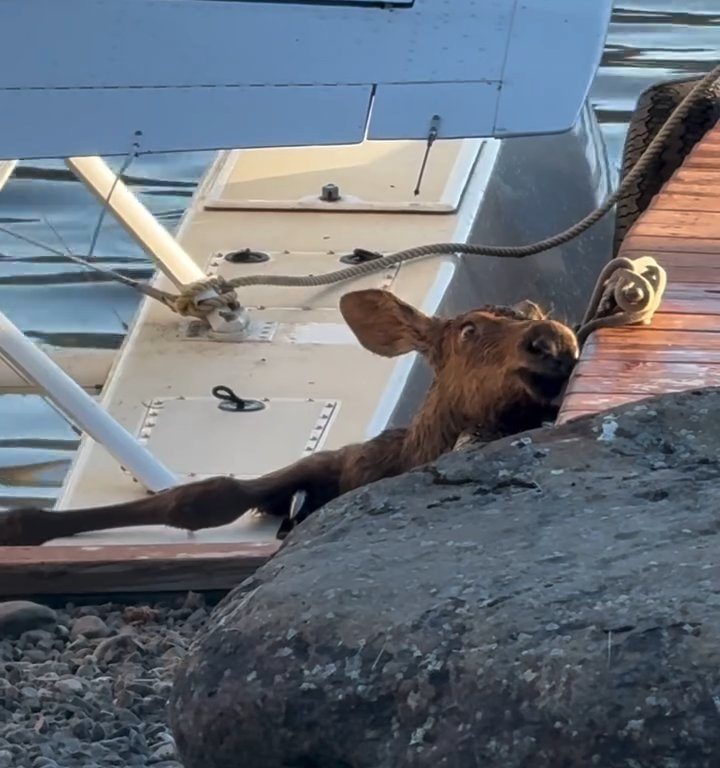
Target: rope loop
{"x":627,"y":292}
{"x":629,"y":300}
{"x":191,"y":302}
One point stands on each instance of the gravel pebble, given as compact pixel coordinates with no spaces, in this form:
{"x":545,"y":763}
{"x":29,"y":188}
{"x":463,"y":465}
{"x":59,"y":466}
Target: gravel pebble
{"x":18,"y":616}
{"x":70,"y":686}
{"x":90,"y":627}
{"x":163,"y":753}
{"x":87,"y":686}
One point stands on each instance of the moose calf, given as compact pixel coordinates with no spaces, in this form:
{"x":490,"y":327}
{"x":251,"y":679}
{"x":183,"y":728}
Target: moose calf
{"x":497,"y":370}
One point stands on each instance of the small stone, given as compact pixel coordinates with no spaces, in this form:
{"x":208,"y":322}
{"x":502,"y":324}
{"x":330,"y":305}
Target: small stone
{"x":194,"y":600}
{"x":140,"y":688}
{"x":167,"y":764}
{"x":36,"y":655}
{"x":124,"y":700}
{"x":142,"y":614}
{"x":115,"y":648}
{"x":41,"y":638}
{"x":128,"y":716}
{"x":44,"y":762}
{"x":163,"y":752}
{"x":87,"y":670}
{"x":157,"y":731}
{"x":71,"y":686}
{"x":91,"y":627}
{"x":117,"y":745}
{"x":10,"y":694}
{"x":6,"y":759}
{"x":18,"y":616}
{"x":41,"y":725}
{"x":83,"y":729}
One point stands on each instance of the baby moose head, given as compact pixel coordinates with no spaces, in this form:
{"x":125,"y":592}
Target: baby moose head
{"x":499,"y":368}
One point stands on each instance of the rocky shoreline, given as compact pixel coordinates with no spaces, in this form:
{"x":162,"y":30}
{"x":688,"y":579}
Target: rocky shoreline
{"x":86,"y":686}
{"x":545,"y":600}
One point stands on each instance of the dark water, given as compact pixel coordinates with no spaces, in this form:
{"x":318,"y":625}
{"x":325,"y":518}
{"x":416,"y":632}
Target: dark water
{"x":53,"y":300}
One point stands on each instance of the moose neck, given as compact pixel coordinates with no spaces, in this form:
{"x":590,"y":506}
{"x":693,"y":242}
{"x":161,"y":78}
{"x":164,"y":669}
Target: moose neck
{"x":435,"y":428}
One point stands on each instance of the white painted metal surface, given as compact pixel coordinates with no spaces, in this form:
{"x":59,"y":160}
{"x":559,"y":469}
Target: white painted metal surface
{"x":171,"y":422}
{"x":206,"y":75}
{"x":378,"y":176}
{"x":81,"y":409}
{"x":6,"y":170}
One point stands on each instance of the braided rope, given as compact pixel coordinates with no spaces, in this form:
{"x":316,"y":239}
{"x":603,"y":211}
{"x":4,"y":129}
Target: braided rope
{"x":656,"y":146}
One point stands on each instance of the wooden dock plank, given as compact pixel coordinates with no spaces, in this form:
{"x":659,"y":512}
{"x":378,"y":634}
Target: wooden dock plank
{"x":599,"y":402}
{"x":708,"y":149}
{"x":656,"y":354}
{"x":667,"y":321}
{"x":712,"y":138}
{"x":686,"y":201}
{"x":679,"y":224}
{"x":682,"y":273}
{"x":680,"y":349}
{"x":688,"y":298}
{"x":686,"y":177}
{"x":699,"y":188}
{"x":644,"y":369}
{"x":703,"y":162}
{"x":571,"y":414}
{"x":50,"y":570}
{"x":679,"y":258}
{"x":621,"y":338}
{"x":665,"y":380}
{"x":661,"y":244}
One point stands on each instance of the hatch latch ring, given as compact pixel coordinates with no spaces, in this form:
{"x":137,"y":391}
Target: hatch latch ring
{"x":229,"y":401}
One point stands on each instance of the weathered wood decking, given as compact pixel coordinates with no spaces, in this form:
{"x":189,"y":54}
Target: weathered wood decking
{"x":680,"y":349}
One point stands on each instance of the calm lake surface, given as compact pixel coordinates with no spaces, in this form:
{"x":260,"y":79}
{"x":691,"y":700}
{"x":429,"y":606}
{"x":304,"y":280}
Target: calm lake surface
{"x":56,"y":301}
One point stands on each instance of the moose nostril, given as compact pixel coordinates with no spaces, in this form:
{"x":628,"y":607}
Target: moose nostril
{"x":543,"y":347}
{"x":565,"y":363}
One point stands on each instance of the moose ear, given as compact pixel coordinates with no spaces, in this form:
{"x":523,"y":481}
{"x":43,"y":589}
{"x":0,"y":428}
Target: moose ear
{"x":385,"y":325}
{"x":530,"y":310}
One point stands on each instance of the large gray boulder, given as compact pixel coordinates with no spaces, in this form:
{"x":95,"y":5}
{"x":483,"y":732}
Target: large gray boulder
{"x":549,"y":601}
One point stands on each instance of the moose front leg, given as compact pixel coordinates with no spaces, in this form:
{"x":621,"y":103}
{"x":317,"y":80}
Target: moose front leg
{"x":204,"y":504}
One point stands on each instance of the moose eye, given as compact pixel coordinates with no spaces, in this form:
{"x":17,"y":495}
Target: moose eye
{"x":467,"y":331}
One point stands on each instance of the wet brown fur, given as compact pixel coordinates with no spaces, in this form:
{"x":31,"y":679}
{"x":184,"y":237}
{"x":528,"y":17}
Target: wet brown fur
{"x":497,"y":369}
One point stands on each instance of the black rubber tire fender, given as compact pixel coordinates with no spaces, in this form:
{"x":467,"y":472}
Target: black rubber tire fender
{"x":654,"y":107}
